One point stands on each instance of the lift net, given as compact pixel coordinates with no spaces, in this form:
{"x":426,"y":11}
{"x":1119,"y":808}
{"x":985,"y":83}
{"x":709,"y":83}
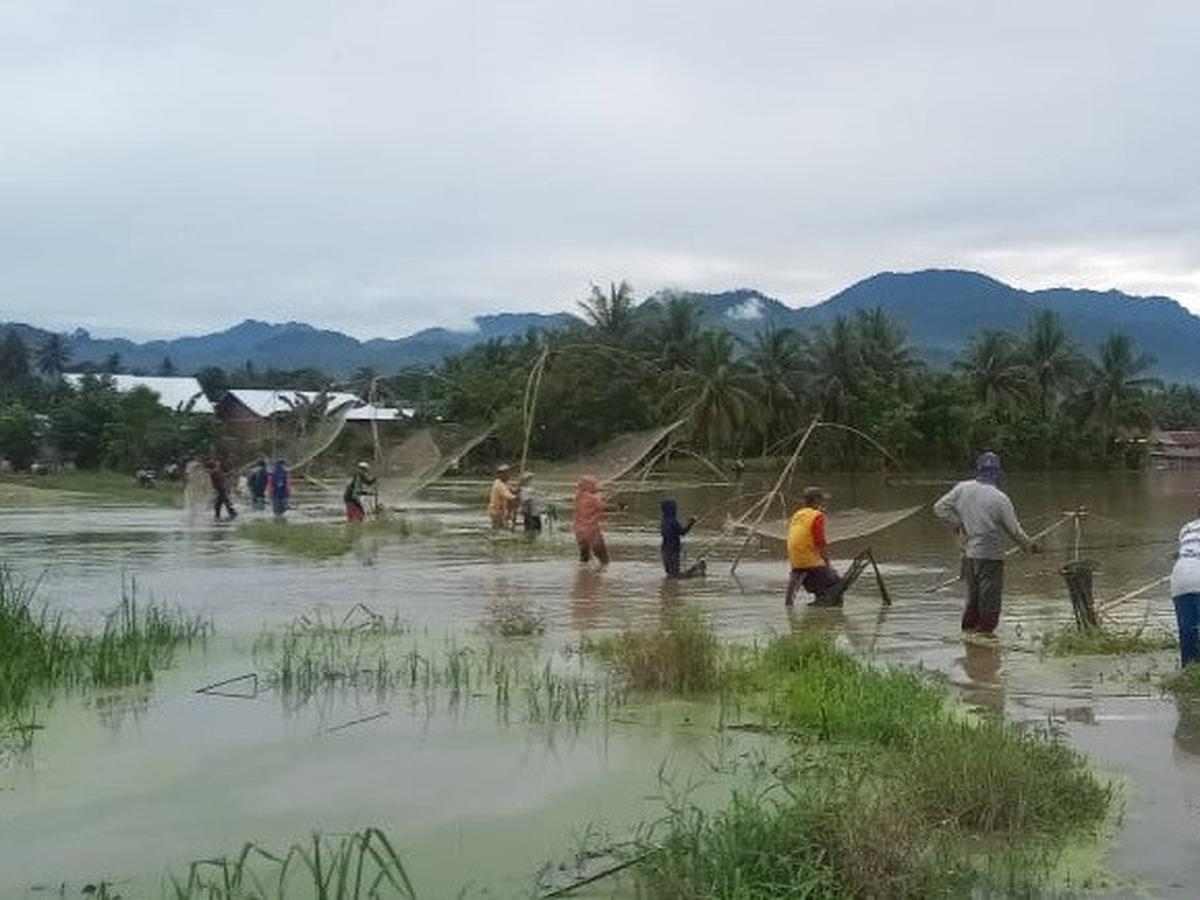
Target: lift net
{"x":843,"y":525}
{"x":617,"y":457}
{"x":422,"y":457}
{"x":298,"y":447}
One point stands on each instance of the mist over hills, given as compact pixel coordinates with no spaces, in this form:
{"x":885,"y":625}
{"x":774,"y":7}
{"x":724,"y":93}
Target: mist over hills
{"x":939,"y":308}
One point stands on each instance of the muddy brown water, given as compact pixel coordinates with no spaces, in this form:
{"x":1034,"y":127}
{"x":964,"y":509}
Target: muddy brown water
{"x":122,"y":786}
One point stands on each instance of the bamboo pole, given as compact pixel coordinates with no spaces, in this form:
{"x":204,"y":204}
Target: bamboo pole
{"x":1011,"y":550}
{"x":1132,"y":595}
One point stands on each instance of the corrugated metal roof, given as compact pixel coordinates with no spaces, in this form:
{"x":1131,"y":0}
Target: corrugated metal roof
{"x":266,"y":403}
{"x":368,"y":413}
{"x":174,"y":392}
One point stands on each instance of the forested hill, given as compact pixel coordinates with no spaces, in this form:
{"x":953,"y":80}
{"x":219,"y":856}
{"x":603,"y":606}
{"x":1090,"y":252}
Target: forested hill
{"x":939,"y":308}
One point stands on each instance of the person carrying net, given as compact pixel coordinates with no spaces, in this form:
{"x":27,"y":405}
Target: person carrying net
{"x":362,"y":484}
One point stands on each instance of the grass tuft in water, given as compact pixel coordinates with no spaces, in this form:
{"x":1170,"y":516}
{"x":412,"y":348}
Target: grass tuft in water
{"x":682,"y":656}
{"x":515,"y":617}
{"x":1185,"y":683}
{"x":893,"y":792}
{"x":357,"y":866}
{"x":327,"y":540}
{"x":1071,"y":641}
{"x":39,"y":654}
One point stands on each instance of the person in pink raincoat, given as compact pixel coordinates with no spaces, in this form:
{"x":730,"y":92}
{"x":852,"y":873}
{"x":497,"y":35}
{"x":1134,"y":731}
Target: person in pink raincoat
{"x":587,"y":518}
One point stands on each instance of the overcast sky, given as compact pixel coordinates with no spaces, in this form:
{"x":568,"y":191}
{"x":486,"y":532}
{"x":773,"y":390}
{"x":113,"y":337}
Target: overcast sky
{"x":168,"y":167}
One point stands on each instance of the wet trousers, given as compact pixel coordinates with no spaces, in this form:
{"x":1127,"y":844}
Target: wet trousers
{"x":985,"y":587}
{"x":1187,"y":617}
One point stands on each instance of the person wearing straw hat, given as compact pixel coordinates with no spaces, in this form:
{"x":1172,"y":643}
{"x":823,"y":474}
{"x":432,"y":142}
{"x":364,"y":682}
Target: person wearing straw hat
{"x":501,"y":498}
{"x":1185,"y":590}
{"x":361,"y":484}
{"x":984,"y":517}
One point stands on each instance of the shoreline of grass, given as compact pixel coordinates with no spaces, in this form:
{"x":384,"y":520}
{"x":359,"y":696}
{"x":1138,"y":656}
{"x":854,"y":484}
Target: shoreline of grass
{"x":103,"y":484}
{"x":1068,"y":640}
{"x":891,"y":790}
{"x":41,"y":656}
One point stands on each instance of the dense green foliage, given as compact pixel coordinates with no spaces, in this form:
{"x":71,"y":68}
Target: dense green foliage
{"x":1035,"y":397}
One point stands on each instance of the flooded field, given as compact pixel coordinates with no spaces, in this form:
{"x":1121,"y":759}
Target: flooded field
{"x":488,"y":759}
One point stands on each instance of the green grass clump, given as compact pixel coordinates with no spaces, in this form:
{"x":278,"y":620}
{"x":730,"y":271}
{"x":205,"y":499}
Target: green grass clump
{"x":359,"y":866}
{"x":315,"y":540}
{"x":682,"y":656}
{"x":1071,"y":641}
{"x":515,"y":617}
{"x":1185,"y":683}
{"x":327,"y":540}
{"x":117,"y":487}
{"x":40,"y":654}
{"x":893,"y":792}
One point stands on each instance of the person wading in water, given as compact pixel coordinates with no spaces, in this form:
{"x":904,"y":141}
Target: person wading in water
{"x":984,"y":517}
{"x":672,"y":543}
{"x":219,"y":477}
{"x":501,"y":499}
{"x":361,"y":484}
{"x":807,"y":550}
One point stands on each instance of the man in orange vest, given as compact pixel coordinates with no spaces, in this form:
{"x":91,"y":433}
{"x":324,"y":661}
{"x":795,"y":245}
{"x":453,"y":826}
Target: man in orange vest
{"x":806,"y":551}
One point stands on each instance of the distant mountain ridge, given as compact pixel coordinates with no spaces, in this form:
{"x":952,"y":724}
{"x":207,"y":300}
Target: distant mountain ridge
{"x":940,"y":308}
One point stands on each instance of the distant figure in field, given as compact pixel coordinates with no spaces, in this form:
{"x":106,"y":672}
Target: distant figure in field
{"x":361,"y":484}
{"x":501,"y":499}
{"x":672,"y":542}
{"x":279,"y":486}
{"x":984,"y":517}
{"x":256,"y":484}
{"x":531,"y":520}
{"x":1185,"y":591}
{"x":587,"y":518}
{"x":218,"y":476}
{"x":808,"y":553}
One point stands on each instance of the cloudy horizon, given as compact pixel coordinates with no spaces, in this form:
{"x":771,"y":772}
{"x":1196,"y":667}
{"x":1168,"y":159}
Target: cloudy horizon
{"x":382,"y":167}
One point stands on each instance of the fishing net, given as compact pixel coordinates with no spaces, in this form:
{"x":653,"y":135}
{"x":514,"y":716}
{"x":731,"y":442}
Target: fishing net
{"x":300,"y":446}
{"x":843,"y":525}
{"x":196,"y":488}
{"x":422,"y":457}
{"x":616,"y":458}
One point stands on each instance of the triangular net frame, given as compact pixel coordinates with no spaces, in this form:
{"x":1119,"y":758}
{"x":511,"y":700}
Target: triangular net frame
{"x":409,"y":465}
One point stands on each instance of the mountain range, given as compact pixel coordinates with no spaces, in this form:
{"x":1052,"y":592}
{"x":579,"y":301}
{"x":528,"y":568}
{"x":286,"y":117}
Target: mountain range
{"x":939,"y":308}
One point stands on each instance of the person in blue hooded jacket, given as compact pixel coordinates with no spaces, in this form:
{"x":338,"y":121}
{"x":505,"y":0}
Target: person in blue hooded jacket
{"x":672,"y":542}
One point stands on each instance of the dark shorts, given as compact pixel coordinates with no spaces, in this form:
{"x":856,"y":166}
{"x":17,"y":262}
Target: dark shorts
{"x":985,"y":589}
{"x":817,"y":580}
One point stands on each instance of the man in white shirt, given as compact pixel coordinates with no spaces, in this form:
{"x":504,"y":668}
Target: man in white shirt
{"x":1185,"y":591}
{"x":984,"y":516}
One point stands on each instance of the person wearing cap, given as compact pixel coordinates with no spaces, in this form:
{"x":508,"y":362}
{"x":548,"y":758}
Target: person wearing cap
{"x":501,"y":499}
{"x":1185,"y":591}
{"x":984,"y":517}
{"x":361,"y":484}
{"x":807,"y":553}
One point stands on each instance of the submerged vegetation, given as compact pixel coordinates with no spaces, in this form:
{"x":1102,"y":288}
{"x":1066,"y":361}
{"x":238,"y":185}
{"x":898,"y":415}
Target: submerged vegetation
{"x":892,"y":792}
{"x":40,"y":654}
{"x":326,"y":540}
{"x":357,"y":866}
{"x":683,"y":656}
{"x":515,"y":617}
{"x":1184,"y":683}
{"x":1068,"y":640}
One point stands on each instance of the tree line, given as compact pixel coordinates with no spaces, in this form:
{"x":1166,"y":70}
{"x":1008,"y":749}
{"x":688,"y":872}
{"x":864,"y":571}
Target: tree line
{"x":1037,"y":397}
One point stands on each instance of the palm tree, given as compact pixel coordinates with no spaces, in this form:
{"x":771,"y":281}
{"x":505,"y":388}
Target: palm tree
{"x":1055,"y":365}
{"x":717,"y":396}
{"x":610,"y":313}
{"x":994,"y":369}
{"x":884,"y":345}
{"x":837,"y":365}
{"x":676,"y":334}
{"x":53,"y":356}
{"x":1116,"y":390}
{"x":776,"y":355}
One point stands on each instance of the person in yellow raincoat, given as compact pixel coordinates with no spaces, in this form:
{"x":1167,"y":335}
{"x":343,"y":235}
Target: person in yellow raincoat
{"x":501,"y":499}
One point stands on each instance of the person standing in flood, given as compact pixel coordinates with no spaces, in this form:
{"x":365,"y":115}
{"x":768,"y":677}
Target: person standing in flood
{"x":807,"y":550}
{"x":256,"y":483}
{"x":1185,"y":591}
{"x":501,"y":499}
{"x":531,"y":519}
{"x":587,"y":517}
{"x":672,"y":542}
{"x":279,"y":486}
{"x":218,"y":476}
{"x":361,"y":484}
{"x":984,"y":517}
